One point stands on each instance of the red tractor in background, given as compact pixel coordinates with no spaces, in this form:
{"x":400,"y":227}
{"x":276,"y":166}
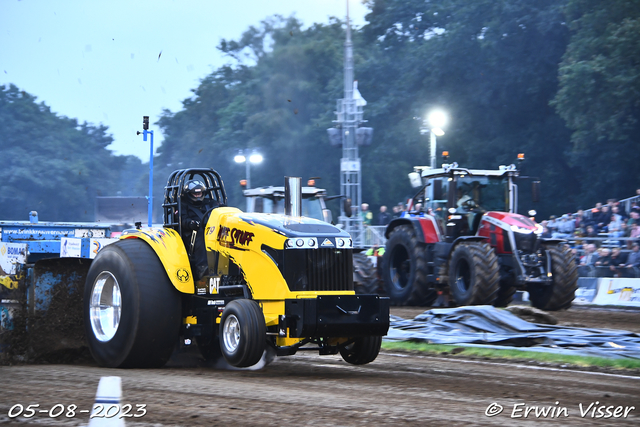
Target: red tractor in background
{"x":462,"y":235}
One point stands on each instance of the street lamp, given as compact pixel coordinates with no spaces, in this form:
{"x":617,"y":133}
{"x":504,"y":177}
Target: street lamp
{"x":247,"y":157}
{"x":436,"y":120}
{"x":145,"y":132}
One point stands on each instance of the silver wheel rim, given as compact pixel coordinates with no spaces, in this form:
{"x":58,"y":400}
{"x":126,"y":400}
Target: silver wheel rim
{"x":231,"y":333}
{"x":105,"y":307}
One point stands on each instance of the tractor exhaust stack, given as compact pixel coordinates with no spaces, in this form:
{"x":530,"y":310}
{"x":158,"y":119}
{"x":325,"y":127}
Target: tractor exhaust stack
{"x":292,"y":196}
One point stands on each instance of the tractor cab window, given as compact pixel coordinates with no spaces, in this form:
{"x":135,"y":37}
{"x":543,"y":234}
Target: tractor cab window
{"x":310,"y":206}
{"x":436,"y":200}
{"x":481,"y":194}
{"x":258,"y":204}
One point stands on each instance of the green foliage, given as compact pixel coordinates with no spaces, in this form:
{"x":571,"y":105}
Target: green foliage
{"x":281,"y":105}
{"x":555,"y":79}
{"x":492,"y":66}
{"x":599,"y":95}
{"x":55,"y":165}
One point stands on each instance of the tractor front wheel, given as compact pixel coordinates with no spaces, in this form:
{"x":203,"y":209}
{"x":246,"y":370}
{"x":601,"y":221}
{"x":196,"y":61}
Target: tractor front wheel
{"x":243,"y":333}
{"x":474,"y":275}
{"x":559,"y":294}
{"x":362,"y":351}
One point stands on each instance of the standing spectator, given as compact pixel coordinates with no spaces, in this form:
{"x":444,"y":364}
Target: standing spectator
{"x":590,"y":255}
{"x":401,"y":208}
{"x":590,"y":231}
{"x":565,"y":228}
{"x":615,"y":226}
{"x":602,"y":219}
{"x":617,"y":208}
{"x":604,"y":258}
{"x":574,"y":253}
{"x":580,"y":221}
{"x":383,"y":217}
{"x":396,"y":211}
{"x":602,"y":264}
{"x":635,"y":232}
{"x":546,"y":233}
{"x":366,"y":214}
{"x":634,"y":218}
{"x":617,"y":262}
{"x":552,"y":224}
{"x":633,"y":260}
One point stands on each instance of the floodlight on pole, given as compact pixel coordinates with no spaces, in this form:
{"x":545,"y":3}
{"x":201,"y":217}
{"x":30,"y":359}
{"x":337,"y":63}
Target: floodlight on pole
{"x":146,"y":132}
{"x":255,"y":158}
{"x":247,"y":157}
{"x":436,"y":120}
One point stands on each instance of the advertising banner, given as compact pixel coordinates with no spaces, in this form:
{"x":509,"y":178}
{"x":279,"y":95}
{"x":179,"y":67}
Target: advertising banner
{"x":618,"y":291}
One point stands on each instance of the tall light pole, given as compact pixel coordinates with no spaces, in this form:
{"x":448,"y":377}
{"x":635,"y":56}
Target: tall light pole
{"x":145,"y":132}
{"x":247,"y":157}
{"x":349,"y":133}
{"x":434,"y":123}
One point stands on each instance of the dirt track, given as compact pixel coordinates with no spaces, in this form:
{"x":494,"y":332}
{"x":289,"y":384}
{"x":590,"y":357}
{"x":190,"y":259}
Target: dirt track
{"x":311,"y":390}
{"x":306,"y":389}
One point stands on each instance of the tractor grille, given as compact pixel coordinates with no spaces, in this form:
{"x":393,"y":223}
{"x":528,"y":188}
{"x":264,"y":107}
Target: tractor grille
{"x":317,"y":269}
{"x":527,"y":243}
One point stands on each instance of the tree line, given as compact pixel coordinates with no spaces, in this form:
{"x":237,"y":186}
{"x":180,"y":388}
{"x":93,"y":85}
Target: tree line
{"x":558,"y":80}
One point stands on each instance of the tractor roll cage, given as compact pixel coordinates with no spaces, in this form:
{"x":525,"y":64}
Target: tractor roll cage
{"x":173,"y":192}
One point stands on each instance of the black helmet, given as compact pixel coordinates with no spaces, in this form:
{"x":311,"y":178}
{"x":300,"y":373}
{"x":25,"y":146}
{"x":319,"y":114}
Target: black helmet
{"x":194,"y":190}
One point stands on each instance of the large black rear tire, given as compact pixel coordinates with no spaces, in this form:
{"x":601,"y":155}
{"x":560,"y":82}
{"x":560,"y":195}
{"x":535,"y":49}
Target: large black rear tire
{"x":404,"y":269}
{"x":362,"y":351}
{"x":132,"y":312}
{"x":365,"y":276}
{"x":562,"y":291}
{"x":243,"y":333}
{"x":474,"y":274}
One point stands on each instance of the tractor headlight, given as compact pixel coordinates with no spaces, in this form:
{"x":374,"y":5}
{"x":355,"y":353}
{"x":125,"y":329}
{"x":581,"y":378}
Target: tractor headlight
{"x":539,"y":229}
{"x":521,"y":230}
{"x":301,"y":243}
{"x":343,"y":243}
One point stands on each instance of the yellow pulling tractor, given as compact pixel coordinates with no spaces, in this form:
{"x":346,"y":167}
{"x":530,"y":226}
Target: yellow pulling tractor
{"x":279,"y":282}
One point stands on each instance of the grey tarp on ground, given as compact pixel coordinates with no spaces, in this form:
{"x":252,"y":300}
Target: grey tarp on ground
{"x":488,"y":326}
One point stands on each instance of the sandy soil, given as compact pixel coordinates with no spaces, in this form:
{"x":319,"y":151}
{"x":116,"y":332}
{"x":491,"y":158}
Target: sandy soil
{"x":395,"y":390}
{"x":307,"y":389}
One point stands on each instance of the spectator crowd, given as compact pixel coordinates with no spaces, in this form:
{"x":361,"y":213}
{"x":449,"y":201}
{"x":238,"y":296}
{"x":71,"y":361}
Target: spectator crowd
{"x":605,"y":239}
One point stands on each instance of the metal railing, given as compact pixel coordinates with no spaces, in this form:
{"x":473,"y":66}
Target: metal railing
{"x":603,"y":241}
{"x":374,"y":236}
{"x":605,"y":271}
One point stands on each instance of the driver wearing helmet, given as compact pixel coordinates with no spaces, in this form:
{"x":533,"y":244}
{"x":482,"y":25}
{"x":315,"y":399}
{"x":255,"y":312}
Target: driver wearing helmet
{"x":195,"y":209}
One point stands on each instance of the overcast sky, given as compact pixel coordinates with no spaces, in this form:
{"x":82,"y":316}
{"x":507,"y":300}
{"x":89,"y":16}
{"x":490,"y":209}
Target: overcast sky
{"x":99,"y":60}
